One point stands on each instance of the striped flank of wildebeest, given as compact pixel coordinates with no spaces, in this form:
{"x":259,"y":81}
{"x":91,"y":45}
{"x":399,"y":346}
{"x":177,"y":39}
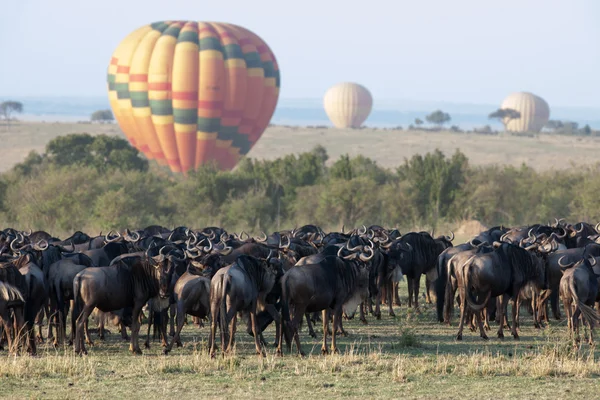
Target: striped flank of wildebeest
{"x":187,"y":93}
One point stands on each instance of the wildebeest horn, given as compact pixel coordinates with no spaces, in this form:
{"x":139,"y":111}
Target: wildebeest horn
{"x":189,"y":253}
{"x":287,"y":246}
{"x":353,"y":249}
{"x":242,"y":233}
{"x":365,"y":258}
{"x":41,"y":245}
{"x":472,"y":243}
{"x":596,"y":227}
{"x":263,"y":238}
{"x":531,"y":235}
{"x":114,"y":238}
{"x":592,"y":261}
{"x":531,"y":247}
{"x":208,"y":249}
{"x":450,"y":238}
{"x":12,"y":245}
{"x":364,"y":230}
{"x":226,"y":250}
{"x":563,"y":265}
{"x":371,"y":234}
{"x":173,"y":257}
{"x":344,"y":226}
{"x":580,"y":229}
{"x":28,"y":234}
{"x":503,"y":237}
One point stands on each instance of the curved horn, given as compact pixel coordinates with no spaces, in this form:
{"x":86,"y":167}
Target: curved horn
{"x":12,"y":245}
{"x":353,"y":249}
{"x":226,"y":251}
{"x":371,"y":234}
{"x":364,"y":230}
{"x":367,"y":259}
{"x":344,"y":226}
{"x":262,"y":239}
{"x":208,"y":249}
{"x":592,"y":261}
{"x":531,"y":235}
{"x":28,"y":234}
{"x":190,"y":253}
{"x":110,"y":239}
{"x":563,"y":265}
{"x":450,"y":238}
{"x":597,"y":226}
{"x":580,"y":229}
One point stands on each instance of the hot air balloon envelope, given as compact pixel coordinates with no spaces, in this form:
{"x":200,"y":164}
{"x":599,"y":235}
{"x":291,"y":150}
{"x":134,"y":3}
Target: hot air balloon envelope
{"x":534,"y":111}
{"x":186,"y":93}
{"x":347,"y":104}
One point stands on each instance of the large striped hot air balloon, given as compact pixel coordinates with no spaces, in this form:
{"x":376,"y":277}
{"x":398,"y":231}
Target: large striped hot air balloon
{"x":534,"y":112}
{"x":186,"y":93}
{"x":347,"y":104}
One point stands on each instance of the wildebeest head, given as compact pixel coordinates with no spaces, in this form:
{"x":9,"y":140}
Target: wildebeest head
{"x":166,"y":263}
{"x":399,"y":252}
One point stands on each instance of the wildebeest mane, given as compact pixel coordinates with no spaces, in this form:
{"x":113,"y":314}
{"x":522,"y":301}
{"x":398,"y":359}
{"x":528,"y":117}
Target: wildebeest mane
{"x":140,"y":273}
{"x":9,"y":273}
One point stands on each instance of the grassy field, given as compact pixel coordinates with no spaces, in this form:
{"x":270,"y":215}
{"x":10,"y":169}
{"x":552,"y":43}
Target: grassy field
{"x":409,"y":356}
{"x":387,"y":147}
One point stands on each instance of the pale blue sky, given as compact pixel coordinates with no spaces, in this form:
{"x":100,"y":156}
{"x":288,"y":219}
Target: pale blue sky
{"x":475,"y":51}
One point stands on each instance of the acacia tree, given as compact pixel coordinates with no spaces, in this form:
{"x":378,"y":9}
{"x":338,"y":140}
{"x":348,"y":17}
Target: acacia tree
{"x":438,"y":117}
{"x":505,"y":115}
{"x":102,"y":116}
{"x":8,"y":108}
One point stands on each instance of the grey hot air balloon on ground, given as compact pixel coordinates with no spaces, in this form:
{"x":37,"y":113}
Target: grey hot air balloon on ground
{"x":347,"y":104}
{"x":534,"y":111}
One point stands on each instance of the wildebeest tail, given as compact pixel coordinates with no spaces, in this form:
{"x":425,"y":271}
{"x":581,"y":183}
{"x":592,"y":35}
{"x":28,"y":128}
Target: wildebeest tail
{"x":77,"y":299}
{"x":223,"y":320}
{"x":467,"y":269}
{"x":588,"y":312}
{"x":10,"y":294}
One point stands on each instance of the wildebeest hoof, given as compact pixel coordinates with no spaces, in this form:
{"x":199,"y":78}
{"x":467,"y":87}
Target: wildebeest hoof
{"x":516,"y":336}
{"x":179,"y":344}
{"x":378,"y":316}
{"x":485,"y":337}
{"x":137,"y":351}
{"x":324,"y":350}
{"x":89,"y":342}
{"x":500,"y":335}
{"x":459,"y":337}
{"x":102,"y":337}
{"x":125,"y":338}
{"x":146,"y":345}
{"x":166,"y":351}
{"x":40,"y":339}
{"x":313,"y":334}
{"x":172,"y":333}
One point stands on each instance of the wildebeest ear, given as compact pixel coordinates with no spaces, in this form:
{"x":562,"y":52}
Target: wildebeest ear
{"x":195,"y":268}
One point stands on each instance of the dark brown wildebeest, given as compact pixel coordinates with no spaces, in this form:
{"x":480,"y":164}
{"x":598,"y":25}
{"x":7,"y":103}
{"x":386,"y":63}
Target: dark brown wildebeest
{"x":329,"y":283}
{"x":502,"y":272}
{"x":578,"y":290}
{"x":241,"y":286}
{"x":11,"y":299}
{"x":192,"y":290}
{"x":130,"y":282}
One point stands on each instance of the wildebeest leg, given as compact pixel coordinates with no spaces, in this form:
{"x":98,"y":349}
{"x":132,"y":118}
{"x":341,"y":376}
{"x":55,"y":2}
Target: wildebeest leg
{"x":575,"y":322}
{"x":515,"y":316}
{"x":180,"y":318}
{"x":101,"y":319}
{"x":311,"y":331}
{"x":478,"y":316}
{"x":554,"y":304}
{"x":270,"y":308}
{"x":409,"y":282}
{"x":214,"y":319}
{"x":134,"y":346}
{"x":324,"y":349}
{"x":389,"y":299}
{"x":377,"y":312}
{"x":39,"y":321}
{"x":150,"y":320}
{"x":259,"y":350}
{"x":163,"y":326}
{"x":81,"y":320}
{"x":395,"y":288}
{"x":416,"y":282}
{"x":232,"y":333}
{"x":371,"y":303}
{"x":427,"y":288}
{"x":295,"y":322}
{"x":362,"y":313}
{"x":172,"y":311}
{"x":124,"y":331}
{"x":501,"y":314}
{"x":337,"y":314}
{"x":463,"y":311}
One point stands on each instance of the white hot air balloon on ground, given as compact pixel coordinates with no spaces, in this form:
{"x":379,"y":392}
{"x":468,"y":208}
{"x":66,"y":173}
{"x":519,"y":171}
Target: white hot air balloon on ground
{"x":347,"y":104}
{"x":534,"y":112}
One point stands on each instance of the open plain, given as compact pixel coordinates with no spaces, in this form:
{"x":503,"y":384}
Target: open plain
{"x":388,"y":147}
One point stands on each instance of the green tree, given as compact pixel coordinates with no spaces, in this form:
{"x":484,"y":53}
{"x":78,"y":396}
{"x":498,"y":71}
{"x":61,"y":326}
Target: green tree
{"x":438,"y":118}
{"x":8,"y":108}
{"x":418,"y":122}
{"x":102,"y":116}
{"x":101,"y":152}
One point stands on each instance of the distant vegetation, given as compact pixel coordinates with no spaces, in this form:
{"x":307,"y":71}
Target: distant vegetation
{"x":102,"y":183}
{"x":102,"y":116}
{"x":9,"y":108}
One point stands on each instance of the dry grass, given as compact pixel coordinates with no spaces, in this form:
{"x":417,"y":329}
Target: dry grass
{"x":410,"y":356}
{"x":387,"y":147}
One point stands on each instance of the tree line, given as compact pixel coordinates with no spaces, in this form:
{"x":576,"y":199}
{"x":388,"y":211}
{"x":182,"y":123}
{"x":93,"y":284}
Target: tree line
{"x":98,"y":183}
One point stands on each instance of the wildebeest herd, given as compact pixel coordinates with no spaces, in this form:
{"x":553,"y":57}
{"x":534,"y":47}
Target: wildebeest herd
{"x":286,"y":278}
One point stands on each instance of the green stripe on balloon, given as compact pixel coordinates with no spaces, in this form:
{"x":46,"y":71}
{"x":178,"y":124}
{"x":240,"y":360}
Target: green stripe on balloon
{"x":185,"y":115}
{"x":161,"y":107}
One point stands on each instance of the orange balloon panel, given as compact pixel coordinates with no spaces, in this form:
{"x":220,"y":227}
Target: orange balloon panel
{"x":187,"y":93}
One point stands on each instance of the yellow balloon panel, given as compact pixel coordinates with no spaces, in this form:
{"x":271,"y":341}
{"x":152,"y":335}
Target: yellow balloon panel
{"x":347,"y":104}
{"x":187,"y":93}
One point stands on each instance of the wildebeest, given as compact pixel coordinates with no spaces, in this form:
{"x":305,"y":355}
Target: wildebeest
{"x":11,"y":299}
{"x":327,"y":284}
{"x":578,"y":290}
{"x":241,"y":286}
{"x":130,"y":282}
{"x":503,"y":272}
